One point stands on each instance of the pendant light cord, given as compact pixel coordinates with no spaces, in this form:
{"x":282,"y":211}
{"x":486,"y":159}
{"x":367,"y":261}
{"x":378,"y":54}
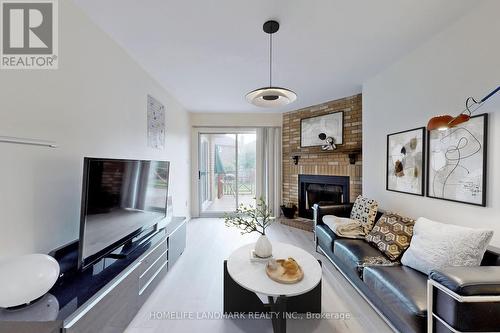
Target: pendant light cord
{"x":270,"y":60}
{"x":471,"y":101}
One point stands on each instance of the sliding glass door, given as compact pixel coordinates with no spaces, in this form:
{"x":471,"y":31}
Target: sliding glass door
{"x":227,"y":169}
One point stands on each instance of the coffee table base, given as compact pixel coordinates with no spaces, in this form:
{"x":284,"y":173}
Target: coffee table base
{"x":278,"y":308}
{"x":240,"y":300}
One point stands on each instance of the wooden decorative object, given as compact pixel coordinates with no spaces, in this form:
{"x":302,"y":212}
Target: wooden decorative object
{"x":285,"y":271}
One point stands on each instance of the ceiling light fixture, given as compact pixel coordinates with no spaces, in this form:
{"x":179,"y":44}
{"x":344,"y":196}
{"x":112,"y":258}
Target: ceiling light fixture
{"x":446,"y":121}
{"x":271,"y":96}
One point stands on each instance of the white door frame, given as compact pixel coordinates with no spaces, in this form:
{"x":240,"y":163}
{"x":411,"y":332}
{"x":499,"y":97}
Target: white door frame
{"x":197,"y":132}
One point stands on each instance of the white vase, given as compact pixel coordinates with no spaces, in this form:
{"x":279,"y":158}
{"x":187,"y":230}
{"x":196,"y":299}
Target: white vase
{"x":263,"y":247}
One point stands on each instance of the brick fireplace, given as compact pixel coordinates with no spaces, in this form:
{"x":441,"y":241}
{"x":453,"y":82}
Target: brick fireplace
{"x":344,"y":162}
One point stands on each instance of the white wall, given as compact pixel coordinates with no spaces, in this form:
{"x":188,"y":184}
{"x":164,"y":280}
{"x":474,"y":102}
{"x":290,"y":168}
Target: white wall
{"x":93,"y":105}
{"x":236,"y":119}
{"x":436,"y":78}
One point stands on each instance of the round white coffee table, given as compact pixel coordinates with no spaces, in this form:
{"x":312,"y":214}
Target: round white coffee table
{"x":251,"y":275}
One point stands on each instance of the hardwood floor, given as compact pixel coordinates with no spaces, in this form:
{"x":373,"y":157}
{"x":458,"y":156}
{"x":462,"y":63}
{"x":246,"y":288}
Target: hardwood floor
{"x":193,"y":288}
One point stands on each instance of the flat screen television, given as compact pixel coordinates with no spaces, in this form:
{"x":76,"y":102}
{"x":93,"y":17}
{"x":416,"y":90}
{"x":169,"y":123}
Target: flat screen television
{"x":120,"y":200}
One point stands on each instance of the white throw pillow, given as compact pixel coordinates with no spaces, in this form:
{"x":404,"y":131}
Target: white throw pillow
{"x":436,"y":245}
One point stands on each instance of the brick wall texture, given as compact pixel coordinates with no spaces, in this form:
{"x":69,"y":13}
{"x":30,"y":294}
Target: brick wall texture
{"x":314,"y":161}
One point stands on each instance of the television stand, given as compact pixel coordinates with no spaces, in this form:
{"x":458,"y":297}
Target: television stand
{"x":116,"y":256}
{"x":107,"y":295}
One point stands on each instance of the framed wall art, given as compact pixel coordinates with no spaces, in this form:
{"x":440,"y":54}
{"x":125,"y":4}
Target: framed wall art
{"x":405,"y":161}
{"x":457,"y":162}
{"x":156,"y":123}
{"x":332,"y":125}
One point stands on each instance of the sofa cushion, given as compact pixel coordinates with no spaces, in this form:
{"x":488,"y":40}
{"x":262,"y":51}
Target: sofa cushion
{"x":437,"y":245}
{"x":364,"y":211}
{"x":392,"y":234}
{"x":354,"y":253}
{"x":402,"y":289}
{"x":325,"y":236}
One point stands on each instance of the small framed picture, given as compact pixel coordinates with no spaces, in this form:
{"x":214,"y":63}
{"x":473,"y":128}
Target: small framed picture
{"x":156,"y":123}
{"x":405,"y":161}
{"x":331,"y":125}
{"x":457,"y":162}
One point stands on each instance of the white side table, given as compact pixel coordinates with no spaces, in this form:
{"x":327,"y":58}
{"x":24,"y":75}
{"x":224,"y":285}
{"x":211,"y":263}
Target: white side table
{"x":252,"y":277}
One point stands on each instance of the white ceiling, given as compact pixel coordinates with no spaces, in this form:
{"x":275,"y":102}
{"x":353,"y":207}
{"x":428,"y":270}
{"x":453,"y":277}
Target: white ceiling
{"x":210,"y":53}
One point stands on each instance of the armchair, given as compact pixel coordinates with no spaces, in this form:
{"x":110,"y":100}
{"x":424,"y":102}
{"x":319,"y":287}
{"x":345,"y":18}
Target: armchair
{"x":464,"y":299}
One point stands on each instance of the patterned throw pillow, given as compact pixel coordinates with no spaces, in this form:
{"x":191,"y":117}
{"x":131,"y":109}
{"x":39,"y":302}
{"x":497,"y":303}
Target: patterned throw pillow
{"x":364,"y":211}
{"x":392,"y":234}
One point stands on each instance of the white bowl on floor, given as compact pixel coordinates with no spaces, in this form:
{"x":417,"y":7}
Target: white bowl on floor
{"x":26,"y":278}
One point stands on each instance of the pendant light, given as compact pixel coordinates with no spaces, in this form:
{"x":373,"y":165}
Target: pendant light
{"x":270,"y":96}
{"x":446,"y":121}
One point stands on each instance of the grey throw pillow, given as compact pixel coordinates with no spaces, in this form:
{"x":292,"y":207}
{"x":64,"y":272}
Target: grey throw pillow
{"x":437,"y":245}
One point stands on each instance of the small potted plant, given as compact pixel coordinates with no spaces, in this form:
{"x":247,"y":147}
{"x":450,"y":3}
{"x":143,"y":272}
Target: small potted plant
{"x":289,"y":210}
{"x":253,"y":219}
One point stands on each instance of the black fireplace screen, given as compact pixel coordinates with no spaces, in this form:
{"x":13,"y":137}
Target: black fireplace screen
{"x":323,"y":194}
{"x":322,"y":190}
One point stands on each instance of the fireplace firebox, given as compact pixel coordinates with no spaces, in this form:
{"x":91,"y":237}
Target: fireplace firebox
{"x":322,"y":190}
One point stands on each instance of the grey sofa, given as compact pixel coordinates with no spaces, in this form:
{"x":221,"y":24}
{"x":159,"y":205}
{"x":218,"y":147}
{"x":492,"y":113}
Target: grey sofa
{"x":399,"y":293}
